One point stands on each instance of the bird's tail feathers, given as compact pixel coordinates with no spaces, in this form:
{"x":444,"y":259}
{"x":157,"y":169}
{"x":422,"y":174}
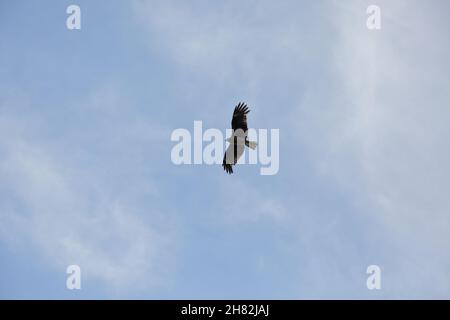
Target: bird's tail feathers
{"x":251,"y":144}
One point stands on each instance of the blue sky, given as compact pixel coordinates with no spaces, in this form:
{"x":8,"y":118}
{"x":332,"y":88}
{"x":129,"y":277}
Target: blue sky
{"x":86,"y":176}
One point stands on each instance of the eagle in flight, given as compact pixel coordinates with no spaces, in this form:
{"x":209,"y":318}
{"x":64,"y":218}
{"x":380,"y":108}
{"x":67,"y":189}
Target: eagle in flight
{"x":238,"y":139}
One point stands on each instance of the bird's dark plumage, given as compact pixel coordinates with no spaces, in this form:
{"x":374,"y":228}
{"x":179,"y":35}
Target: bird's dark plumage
{"x":228,"y":163}
{"x":239,"y":120}
{"x":227,"y":167}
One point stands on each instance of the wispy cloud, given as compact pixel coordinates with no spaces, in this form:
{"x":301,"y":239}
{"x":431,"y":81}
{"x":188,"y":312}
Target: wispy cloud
{"x":364,"y":168}
{"x":385,"y":141}
{"x":59,"y":200}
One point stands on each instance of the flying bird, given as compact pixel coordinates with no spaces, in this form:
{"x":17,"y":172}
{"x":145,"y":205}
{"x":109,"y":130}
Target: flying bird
{"x":238,"y":139}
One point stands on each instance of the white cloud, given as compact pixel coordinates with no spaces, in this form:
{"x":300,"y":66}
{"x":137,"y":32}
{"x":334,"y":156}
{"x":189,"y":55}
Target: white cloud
{"x":376,"y":124}
{"x":242,"y":46}
{"x":386,"y":139}
{"x":395,"y":116}
{"x":243,"y":203}
{"x":60,"y":200}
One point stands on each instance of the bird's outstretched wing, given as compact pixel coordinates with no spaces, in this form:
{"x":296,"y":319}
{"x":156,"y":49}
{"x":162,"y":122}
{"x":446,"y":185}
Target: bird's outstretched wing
{"x":239,"y":120}
{"x":232,"y":155}
{"x":227,"y":167}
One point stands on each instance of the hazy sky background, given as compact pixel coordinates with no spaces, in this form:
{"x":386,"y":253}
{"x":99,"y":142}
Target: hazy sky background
{"x":86,"y":176}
